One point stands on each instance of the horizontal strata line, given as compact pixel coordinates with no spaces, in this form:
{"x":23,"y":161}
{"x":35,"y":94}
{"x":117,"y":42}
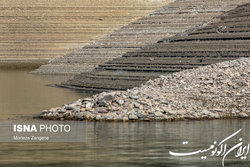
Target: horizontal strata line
{"x":134,"y":78}
{"x":145,"y":68}
{"x":85,"y":88}
{"x":41,"y":45}
{"x":121,"y":78}
{"x":113,"y":14}
{"x":230,"y":30}
{"x":28,"y":58}
{"x":127,"y":28}
{"x":230,"y":26}
{"x":214,"y":32}
{"x":23,"y":57}
{"x":46,"y":30}
{"x":126,"y":76}
{"x":97,"y":86}
{"x":56,"y":23}
{"x":28,"y":54}
{"x":161,"y":62}
{"x":32,"y":48}
{"x":212,"y":39}
{"x":54,"y":32}
{"x":154,"y":65}
{"x":43,"y":17}
{"x":81,"y":10}
{"x":69,"y":34}
{"x":55,"y":29}
{"x":186,"y":56}
{"x":189,"y":12}
{"x":179,"y":51}
{"x":44,"y":41}
{"x":78,"y":7}
{"x":86,"y":11}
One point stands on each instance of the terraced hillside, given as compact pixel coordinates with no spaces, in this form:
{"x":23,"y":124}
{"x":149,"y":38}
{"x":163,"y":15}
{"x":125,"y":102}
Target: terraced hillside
{"x":226,"y":38}
{"x":34,"y":31}
{"x":165,"y":22}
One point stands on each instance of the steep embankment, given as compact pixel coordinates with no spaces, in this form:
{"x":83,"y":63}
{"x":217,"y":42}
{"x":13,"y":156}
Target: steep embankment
{"x":34,"y":31}
{"x":226,"y":38}
{"x":165,"y":22}
{"x":216,"y":91}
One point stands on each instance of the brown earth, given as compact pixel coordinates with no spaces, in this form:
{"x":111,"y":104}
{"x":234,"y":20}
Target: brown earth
{"x":34,"y":31}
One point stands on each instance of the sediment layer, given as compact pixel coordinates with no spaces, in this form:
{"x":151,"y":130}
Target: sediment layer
{"x":165,"y":22}
{"x":38,"y":30}
{"x":215,"y":91}
{"x":227,"y":37}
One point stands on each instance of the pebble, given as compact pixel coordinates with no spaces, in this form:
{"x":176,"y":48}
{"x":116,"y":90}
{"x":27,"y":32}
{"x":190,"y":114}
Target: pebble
{"x":102,"y":103}
{"x":88,"y":105}
{"x":120,"y":102}
{"x":210,"y":92}
{"x":158,"y":114}
{"x":206,"y":112}
{"x":98,"y":117}
{"x":132,"y":117}
{"x":87,"y":99}
{"x":79,"y":116}
{"x":243,"y":115}
{"x":139,"y":115}
{"x":134,"y":97}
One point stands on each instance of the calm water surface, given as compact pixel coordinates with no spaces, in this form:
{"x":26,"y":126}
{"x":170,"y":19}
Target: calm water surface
{"x":109,"y":144}
{"x":22,"y":94}
{"x":132,"y":144}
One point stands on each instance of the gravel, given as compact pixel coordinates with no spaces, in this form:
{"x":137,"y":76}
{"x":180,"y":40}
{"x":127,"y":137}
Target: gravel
{"x":211,"y":92}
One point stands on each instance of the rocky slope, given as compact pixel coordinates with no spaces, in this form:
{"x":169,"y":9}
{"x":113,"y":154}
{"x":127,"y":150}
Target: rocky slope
{"x":226,"y":37}
{"x":220,"y":90}
{"x":164,"y":22}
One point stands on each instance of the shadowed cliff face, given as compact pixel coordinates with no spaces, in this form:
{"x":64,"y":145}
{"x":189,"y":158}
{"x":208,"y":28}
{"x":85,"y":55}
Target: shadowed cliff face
{"x":35,"y":31}
{"x":226,"y":38}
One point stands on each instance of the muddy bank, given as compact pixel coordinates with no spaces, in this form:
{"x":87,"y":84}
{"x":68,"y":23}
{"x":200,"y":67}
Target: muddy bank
{"x":211,"y":92}
{"x":226,"y":37}
{"x":167,"y":21}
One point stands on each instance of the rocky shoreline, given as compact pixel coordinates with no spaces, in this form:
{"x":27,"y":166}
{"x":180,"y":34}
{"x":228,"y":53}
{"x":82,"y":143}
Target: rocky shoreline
{"x":211,"y":92}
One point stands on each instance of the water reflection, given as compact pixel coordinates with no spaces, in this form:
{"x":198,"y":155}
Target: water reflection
{"x":131,"y":144}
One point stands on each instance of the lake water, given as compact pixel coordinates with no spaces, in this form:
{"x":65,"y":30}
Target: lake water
{"x":108,"y":144}
{"x":23,"y":94}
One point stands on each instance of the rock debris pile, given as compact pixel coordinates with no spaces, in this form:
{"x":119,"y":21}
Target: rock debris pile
{"x":216,"y":91}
